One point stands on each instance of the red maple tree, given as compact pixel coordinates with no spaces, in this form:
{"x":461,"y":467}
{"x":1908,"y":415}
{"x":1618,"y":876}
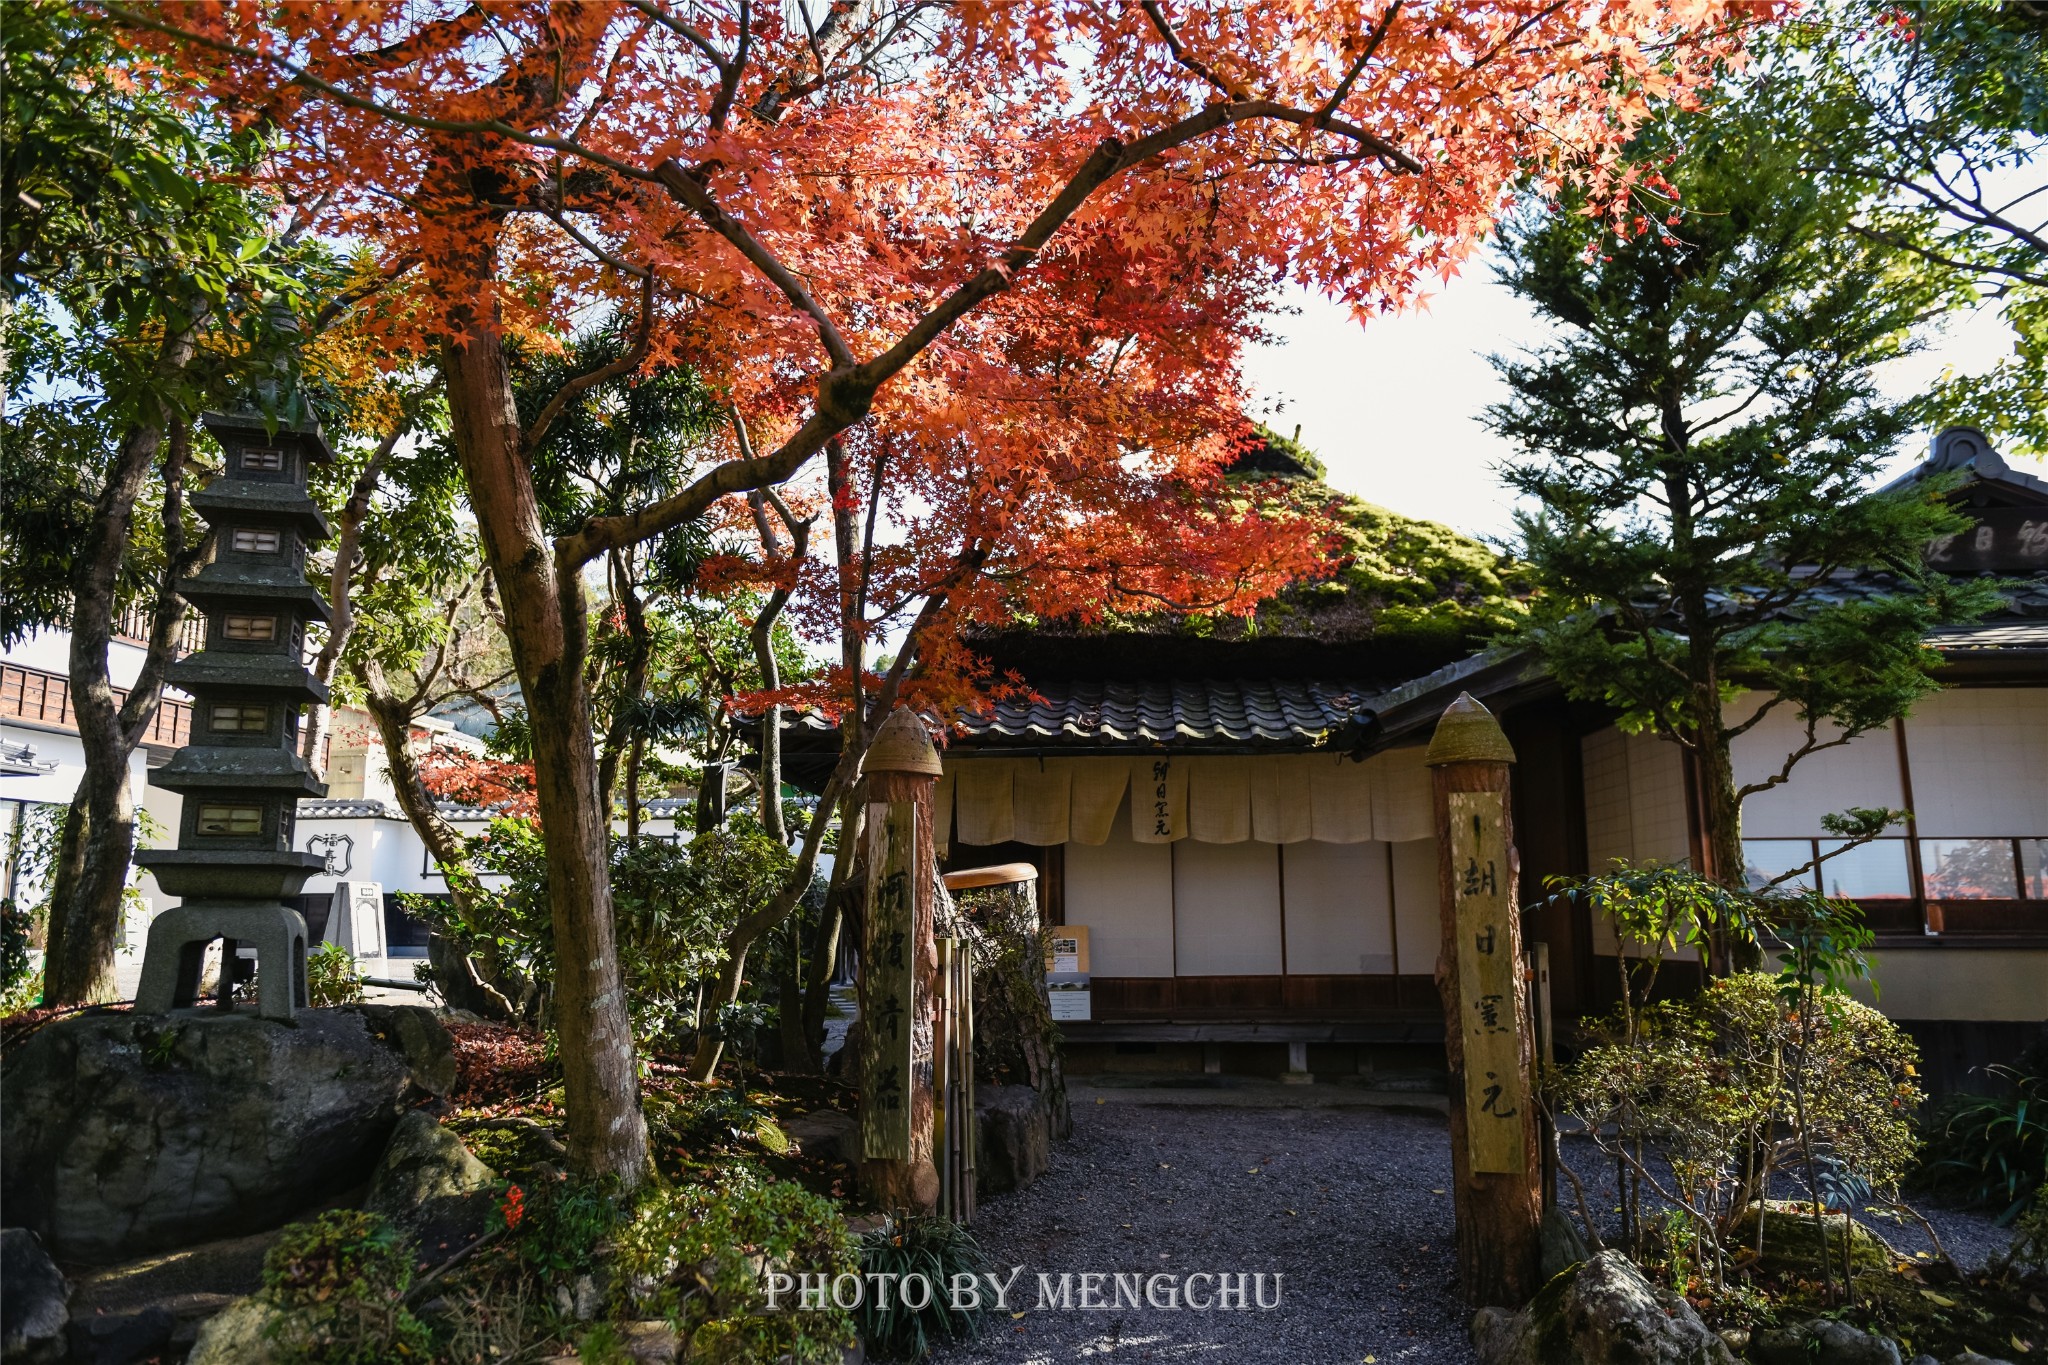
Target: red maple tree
{"x":1013,"y":248}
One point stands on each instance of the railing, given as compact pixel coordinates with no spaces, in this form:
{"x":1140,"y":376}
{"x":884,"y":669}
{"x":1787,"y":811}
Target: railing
{"x":33,"y":697}
{"x":134,"y":625}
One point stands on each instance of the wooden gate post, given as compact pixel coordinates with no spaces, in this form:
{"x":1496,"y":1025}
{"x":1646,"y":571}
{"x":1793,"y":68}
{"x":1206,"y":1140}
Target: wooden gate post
{"x":1494,"y":1155}
{"x":898,"y":969}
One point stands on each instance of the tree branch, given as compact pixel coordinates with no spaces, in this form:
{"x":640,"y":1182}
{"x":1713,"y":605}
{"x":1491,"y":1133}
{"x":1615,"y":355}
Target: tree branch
{"x":625,"y":364}
{"x":692,"y":194}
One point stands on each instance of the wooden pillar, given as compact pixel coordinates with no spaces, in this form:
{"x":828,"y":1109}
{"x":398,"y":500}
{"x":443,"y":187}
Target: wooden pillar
{"x":1494,"y":1155}
{"x":899,"y":969}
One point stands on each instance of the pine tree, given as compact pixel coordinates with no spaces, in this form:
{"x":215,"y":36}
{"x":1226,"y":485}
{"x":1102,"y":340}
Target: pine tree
{"x":1699,"y":439}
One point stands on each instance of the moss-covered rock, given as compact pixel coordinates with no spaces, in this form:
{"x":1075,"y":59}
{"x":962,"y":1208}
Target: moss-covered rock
{"x":238,"y":1335}
{"x":1792,"y":1240}
{"x":1604,"y":1312}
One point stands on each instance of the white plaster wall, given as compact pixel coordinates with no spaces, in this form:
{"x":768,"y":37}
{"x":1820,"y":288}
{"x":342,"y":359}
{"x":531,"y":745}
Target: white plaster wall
{"x":1123,"y":892}
{"x":50,"y":651}
{"x":2009,"y":985}
{"x":1226,"y":908}
{"x":1863,"y":772}
{"x":1418,"y":922}
{"x":1609,"y":832}
{"x":1980,"y":762}
{"x":1339,"y":909}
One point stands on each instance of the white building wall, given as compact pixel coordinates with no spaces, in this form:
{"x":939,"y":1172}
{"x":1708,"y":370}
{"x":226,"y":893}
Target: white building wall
{"x":1123,"y":891}
{"x":1226,"y":908}
{"x":1979,"y":758}
{"x":1340,"y":911}
{"x":1863,"y":772}
{"x":1202,"y":909}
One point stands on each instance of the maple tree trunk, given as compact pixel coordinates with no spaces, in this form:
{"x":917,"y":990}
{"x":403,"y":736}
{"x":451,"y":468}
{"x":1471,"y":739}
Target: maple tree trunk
{"x":99,"y":829}
{"x":545,"y":619}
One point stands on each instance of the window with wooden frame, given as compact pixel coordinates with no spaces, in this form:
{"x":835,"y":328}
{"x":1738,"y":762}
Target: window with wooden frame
{"x":236,"y":626}
{"x":250,"y":540}
{"x":262,"y":460}
{"x":238,"y":718}
{"x":229,"y":821}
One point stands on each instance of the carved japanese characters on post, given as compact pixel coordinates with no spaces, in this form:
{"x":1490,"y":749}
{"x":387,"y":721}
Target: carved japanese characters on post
{"x":1494,"y":1089}
{"x":888,"y":970}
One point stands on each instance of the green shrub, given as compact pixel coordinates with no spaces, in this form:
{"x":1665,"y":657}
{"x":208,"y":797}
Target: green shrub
{"x":698,"y":1256}
{"x":564,"y":1227}
{"x":21,"y":978}
{"x":1701,"y":1100}
{"x":932,"y":1247}
{"x":341,"y":1280}
{"x":1991,"y":1151}
{"x":332,"y":977}
{"x":2029,"y":1251}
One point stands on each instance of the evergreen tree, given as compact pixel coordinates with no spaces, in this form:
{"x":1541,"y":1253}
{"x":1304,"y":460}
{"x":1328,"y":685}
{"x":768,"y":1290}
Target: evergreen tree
{"x":1699,"y":439}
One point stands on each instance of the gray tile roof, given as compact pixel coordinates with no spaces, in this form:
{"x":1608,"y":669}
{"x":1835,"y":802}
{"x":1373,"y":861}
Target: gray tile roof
{"x":2000,"y":635}
{"x":1167,"y":711}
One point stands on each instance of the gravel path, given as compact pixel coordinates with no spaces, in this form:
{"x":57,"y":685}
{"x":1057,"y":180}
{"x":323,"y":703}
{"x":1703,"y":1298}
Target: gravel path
{"x":1346,"y":1204}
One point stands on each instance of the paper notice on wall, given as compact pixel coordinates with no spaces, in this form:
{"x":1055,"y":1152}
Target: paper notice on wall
{"x":1067,"y":949}
{"x":1069,"y":1004}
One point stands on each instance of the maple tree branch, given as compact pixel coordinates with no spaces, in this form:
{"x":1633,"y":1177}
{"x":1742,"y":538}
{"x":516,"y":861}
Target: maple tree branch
{"x":299,"y":75}
{"x":684,"y":31}
{"x":625,"y":364}
{"x":729,"y":85}
{"x":846,"y":391}
{"x":1157,"y":14}
{"x":1372,"y":45}
{"x":349,"y":298}
{"x":693,"y":195}
{"x":561,"y":220}
{"x":412,"y":47}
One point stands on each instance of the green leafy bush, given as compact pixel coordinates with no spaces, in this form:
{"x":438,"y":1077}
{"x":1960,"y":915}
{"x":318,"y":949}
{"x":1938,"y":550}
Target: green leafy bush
{"x":698,"y":1256}
{"x":565,"y":1227}
{"x":936,"y":1249}
{"x":340,"y":1280}
{"x":1991,"y":1151}
{"x":1702,"y":1101}
{"x":332,"y":977}
{"x":673,"y":905}
{"x":21,"y":979}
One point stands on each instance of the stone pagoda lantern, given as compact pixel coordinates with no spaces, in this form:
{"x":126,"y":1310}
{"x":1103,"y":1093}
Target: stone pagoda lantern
{"x":241,"y":776}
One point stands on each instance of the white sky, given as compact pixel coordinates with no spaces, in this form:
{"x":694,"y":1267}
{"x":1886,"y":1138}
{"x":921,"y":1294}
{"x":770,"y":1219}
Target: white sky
{"x":1393,"y":406}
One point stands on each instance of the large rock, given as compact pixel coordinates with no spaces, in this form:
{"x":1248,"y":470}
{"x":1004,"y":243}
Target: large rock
{"x":125,"y":1134}
{"x":1823,"y":1341}
{"x":239,"y":1335}
{"x":1603,"y":1313}
{"x":1792,"y":1240}
{"x":829,"y":1133}
{"x":121,"y":1338}
{"x":1560,"y":1245}
{"x":33,"y":1296}
{"x":432,"y":1186}
{"x":1013,"y":1129}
